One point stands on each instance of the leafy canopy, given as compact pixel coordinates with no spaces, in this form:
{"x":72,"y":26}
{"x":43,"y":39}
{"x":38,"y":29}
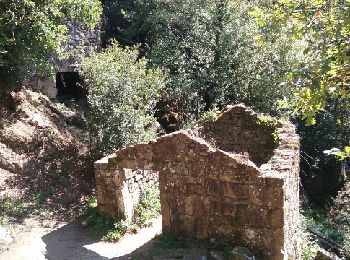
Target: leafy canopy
{"x":324,"y":26}
{"x":214,"y":55}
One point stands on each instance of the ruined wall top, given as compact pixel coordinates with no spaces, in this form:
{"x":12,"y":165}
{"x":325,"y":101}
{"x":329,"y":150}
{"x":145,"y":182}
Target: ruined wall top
{"x":239,"y":129}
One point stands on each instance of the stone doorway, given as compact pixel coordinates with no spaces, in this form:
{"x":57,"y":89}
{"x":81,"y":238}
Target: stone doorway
{"x":140,"y":195}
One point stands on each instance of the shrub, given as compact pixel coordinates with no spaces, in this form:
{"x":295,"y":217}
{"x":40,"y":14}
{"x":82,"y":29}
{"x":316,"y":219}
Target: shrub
{"x":149,"y":206}
{"x":122,"y":95}
{"x":105,"y":229}
{"x":109,"y":230}
{"x":31,"y":30}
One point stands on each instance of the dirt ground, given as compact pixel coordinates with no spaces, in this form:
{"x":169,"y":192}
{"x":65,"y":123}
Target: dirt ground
{"x":70,"y":241}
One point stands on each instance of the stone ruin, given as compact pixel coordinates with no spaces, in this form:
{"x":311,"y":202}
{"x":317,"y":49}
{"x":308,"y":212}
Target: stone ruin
{"x":234,"y":180}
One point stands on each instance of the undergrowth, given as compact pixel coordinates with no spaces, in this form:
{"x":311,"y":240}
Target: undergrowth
{"x":12,"y":209}
{"x":148,"y":207}
{"x":109,"y":230}
{"x":319,"y":230}
{"x":167,"y":243}
{"x":97,"y":226}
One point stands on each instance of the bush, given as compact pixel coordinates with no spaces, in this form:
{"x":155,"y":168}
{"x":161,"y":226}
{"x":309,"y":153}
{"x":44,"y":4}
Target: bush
{"x":216,"y":55}
{"x":105,"y":229}
{"x":122,"y":96}
{"x":149,"y":206}
{"x":110,"y":230}
{"x":320,"y":229}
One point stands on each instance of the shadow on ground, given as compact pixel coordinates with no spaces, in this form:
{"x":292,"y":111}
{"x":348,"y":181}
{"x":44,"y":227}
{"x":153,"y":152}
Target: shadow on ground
{"x":72,"y":242}
{"x":67,"y":242}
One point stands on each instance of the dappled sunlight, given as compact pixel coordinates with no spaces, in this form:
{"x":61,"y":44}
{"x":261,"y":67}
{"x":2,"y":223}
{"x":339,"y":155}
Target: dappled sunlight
{"x":71,"y":241}
{"x":129,"y":243}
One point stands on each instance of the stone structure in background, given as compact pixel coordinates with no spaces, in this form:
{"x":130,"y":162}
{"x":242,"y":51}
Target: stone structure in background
{"x":231,"y":180}
{"x":80,"y":41}
{"x":44,"y":85}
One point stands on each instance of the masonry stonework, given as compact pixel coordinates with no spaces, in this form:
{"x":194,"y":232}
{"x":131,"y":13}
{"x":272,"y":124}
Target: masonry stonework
{"x":242,"y":192}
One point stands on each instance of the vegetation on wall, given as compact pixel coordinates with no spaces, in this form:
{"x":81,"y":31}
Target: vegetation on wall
{"x":110,"y":230}
{"x":270,"y":55}
{"x":325,"y":28}
{"x":288,"y":57}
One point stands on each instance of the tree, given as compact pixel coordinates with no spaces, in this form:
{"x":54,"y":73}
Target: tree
{"x":322,"y":175}
{"x":212,"y":50}
{"x":324,"y":26}
{"x":127,"y":21}
{"x":31,"y":30}
{"x":215,"y":56}
{"x":122,"y":96}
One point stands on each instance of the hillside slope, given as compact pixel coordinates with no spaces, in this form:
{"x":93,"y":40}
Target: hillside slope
{"x":45,"y":171}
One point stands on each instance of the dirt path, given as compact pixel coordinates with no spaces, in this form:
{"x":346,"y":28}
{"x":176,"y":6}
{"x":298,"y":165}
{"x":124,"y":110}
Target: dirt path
{"x":69,"y":241}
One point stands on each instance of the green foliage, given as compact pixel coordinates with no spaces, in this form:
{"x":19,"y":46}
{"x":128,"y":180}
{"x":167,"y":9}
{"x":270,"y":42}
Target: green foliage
{"x":31,"y":30}
{"x":122,"y":96}
{"x":214,"y":51}
{"x":105,"y":229}
{"x":343,"y":222}
{"x":126,"y":21}
{"x":342,"y":155}
{"x":12,"y":209}
{"x":324,"y":27}
{"x":166,"y":243}
{"x":321,"y":174}
{"x":111,"y":231}
{"x":308,"y":245}
{"x":149,"y":206}
{"x":317,"y":221}
{"x":209,"y":116}
{"x":215,"y":56}
{"x":273,"y":123}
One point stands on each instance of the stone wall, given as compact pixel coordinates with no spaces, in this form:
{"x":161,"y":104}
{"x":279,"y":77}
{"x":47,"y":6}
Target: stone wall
{"x":44,"y":85}
{"x":246,"y":133}
{"x":209,"y":193}
{"x":120,"y":189}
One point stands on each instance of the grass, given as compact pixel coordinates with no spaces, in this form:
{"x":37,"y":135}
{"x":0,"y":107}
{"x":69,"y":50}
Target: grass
{"x":166,"y":244}
{"x":10,"y":208}
{"x":109,"y":230}
{"x":100,"y":227}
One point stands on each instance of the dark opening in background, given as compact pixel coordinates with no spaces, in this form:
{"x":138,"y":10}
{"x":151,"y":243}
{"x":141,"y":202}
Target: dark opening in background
{"x":69,"y":86}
